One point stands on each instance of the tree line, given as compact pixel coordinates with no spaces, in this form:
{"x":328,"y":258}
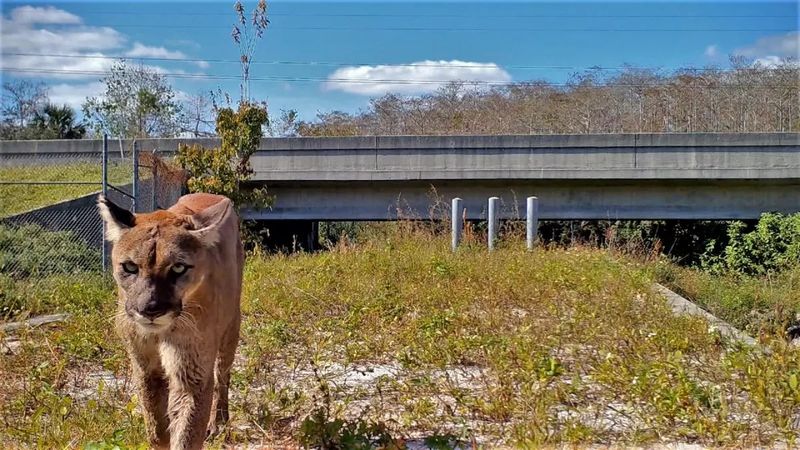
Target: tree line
{"x":140,"y":102}
{"x":136,"y":102}
{"x":744,"y":98}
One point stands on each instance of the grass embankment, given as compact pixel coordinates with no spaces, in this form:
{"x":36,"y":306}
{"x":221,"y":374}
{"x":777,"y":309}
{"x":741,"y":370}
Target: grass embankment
{"x":399,"y":339}
{"x":17,"y":198}
{"x":763,"y":304}
{"x":753,"y":281}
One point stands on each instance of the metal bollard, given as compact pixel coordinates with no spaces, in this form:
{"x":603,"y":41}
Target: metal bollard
{"x":494,"y":209}
{"x":456,"y":222}
{"x":532,"y":221}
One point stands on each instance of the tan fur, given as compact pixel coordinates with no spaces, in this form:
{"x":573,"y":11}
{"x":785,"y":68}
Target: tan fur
{"x":181,"y":354}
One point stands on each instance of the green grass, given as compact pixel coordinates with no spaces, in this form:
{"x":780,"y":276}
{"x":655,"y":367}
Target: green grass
{"x":757,"y":304}
{"x":553,"y":347}
{"x":18,"y":198}
{"x":70,"y":293}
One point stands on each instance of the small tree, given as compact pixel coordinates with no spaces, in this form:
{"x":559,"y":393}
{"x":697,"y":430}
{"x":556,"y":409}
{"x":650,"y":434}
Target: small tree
{"x":223,"y":170}
{"x":138,"y":102}
{"x":21,"y":100}
{"x":197,"y":115}
{"x":286,"y":125}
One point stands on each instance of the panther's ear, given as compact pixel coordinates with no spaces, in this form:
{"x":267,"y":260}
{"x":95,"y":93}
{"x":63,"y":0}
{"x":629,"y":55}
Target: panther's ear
{"x":117,"y":219}
{"x":208,"y":223}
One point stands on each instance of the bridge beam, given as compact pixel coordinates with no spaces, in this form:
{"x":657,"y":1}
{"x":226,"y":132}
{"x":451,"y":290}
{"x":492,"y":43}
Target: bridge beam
{"x":558,"y":200}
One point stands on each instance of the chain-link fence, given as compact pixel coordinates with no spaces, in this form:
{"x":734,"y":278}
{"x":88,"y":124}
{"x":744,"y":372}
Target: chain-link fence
{"x":161,"y":182}
{"x":48,"y":190}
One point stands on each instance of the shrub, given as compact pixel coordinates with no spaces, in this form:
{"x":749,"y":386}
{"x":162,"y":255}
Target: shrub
{"x":773,"y":245}
{"x":224,"y":170}
{"x":31,"y":250}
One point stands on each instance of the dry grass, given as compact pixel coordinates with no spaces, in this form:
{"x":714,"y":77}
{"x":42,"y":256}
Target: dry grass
{"x":396,"y":339}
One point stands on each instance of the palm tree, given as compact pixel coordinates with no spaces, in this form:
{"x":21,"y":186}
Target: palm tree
{"x":59,"y":122}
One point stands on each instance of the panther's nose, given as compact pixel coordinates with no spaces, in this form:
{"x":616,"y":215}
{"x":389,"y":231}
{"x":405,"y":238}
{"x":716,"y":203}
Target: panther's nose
{"x":153,"y":310}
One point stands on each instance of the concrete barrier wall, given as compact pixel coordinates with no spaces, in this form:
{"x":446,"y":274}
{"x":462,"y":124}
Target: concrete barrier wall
{"x":424,"y":142}
{"x":634,"y":156}
{"x":389,"y":158}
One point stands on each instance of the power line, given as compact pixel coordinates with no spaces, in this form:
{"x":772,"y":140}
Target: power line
{"x":287,"y":63}
{"x":376,"y":81}
{"x":343,"y":64}
{"x":448,"y":29}
{"x":459,"y":16}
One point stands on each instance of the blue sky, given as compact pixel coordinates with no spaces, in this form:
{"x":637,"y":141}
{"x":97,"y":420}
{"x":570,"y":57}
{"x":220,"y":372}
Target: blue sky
{"x":366,"y":45}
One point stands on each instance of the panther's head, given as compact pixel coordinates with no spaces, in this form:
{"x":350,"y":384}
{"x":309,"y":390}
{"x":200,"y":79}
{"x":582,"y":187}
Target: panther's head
{"x":160,"y":259}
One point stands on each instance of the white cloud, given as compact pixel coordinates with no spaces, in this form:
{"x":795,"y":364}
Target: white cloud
{"x":780,"y":45}
{"x":712,"y":51}
{"x":26,"y":31}
{"x":26,"y":39}
{"x":56,"y":66}
{"x":768,"y":61}
{"x":143,"y":51}
{"x":36,"y":31}
{"x":48,"y":14}
{"x":73,"y":94}
{"x":414,"y":78}
{"x":775,"y":61}
{"x":183,"y":43}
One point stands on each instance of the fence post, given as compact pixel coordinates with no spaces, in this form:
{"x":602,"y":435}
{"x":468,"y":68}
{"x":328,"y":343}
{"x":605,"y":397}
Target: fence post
{"x":135,"y":188}
{"x":456,"y":222}
{"x":532,"y":221}
{"x":104,"y":190}
{"x":493,"y":222}
{"x":154,"y":182}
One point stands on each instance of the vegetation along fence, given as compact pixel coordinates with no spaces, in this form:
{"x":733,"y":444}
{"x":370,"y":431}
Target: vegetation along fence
{"x":48,"y":218}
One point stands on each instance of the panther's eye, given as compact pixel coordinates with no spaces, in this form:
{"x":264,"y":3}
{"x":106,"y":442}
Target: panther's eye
{"x":130,"y":267}
{"x":179,"y":268}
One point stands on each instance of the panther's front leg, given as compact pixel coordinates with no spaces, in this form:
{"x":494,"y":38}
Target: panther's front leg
{"x":191,"y":388}
{"x":153,"y":389}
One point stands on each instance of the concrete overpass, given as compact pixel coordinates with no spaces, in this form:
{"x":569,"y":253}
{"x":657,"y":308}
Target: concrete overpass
{"x":633,"y":176}
{"x":614,"y":176}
